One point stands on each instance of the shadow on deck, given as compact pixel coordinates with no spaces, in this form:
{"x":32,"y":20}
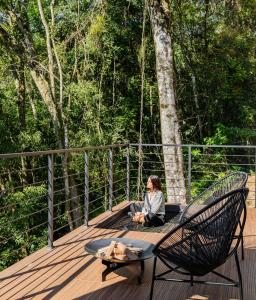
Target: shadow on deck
{"x":122,"y":221}
{"x":67,"y":272}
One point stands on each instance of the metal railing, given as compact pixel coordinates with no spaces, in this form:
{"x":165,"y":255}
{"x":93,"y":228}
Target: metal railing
{"x":202,"y":165}
{"x":46,"y":194}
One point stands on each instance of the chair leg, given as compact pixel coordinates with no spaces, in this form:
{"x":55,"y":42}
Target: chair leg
{"x":142,"y":268}
{"x":153,"y":279}
{"x":239,"y":277}
{"x":242,"y":241}
{"x":191,"y":280}
{"x":242,"y":246}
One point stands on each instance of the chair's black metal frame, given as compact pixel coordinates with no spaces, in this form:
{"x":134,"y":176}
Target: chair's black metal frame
{"x":232,"y":181}
{"x":204,"y":242}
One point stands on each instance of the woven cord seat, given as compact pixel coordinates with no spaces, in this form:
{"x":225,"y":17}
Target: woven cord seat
{"x":205,"y":241}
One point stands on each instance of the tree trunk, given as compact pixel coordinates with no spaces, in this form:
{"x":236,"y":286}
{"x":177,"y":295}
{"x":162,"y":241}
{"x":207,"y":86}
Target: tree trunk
{"x":45,"y":83}
{"x":43,"y":88}
{"x":173,"y":160}
{"x":19,"y":74}
{"x":21,"y":96}
{"x":199,"y":122}
{"x":69,"y":182}
{"x":49,"y":48}
{"x":46,"y":88}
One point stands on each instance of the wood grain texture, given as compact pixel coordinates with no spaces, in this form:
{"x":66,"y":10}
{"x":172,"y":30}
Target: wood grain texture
{"x":67,"y":272}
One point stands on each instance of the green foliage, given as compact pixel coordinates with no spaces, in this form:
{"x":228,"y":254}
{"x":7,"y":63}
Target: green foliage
{"x":226,"y":135}
{"x":215,"y":43}
{"x":99,"y":47}
{"x":22,"y":213}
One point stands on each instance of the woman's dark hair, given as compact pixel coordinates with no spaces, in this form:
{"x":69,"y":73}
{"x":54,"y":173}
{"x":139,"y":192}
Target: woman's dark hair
{"x":156,"y":182}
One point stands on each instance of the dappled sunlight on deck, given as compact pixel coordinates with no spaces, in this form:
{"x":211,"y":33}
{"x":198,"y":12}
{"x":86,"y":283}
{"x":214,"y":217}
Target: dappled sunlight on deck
{"x":67,"y":272}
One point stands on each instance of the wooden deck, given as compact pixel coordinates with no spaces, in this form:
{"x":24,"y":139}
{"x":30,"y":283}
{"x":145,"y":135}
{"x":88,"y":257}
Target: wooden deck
{"x":67,"y":272}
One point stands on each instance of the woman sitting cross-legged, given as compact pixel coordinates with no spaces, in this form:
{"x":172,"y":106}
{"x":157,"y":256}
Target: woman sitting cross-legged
{"x":152,"y":211}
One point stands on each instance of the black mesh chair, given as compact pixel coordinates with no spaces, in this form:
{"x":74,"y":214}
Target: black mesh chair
{"x":232,"y":181}
{"x":205,"y":241}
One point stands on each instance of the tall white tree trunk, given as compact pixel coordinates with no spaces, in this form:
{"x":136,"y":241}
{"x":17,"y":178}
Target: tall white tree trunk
{"x":173,"y":160}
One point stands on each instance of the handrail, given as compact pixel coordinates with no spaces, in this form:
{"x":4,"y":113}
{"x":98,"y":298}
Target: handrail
{"x":60,"y":151}
{"x":78,"y":150}
{"x":195,"y":146}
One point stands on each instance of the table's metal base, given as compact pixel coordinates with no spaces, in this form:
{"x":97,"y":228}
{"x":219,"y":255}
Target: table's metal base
{"x":114,"y":266}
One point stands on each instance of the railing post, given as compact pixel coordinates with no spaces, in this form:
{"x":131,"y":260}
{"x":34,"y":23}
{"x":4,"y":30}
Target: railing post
{"x":86,"y":189}
{"x":189,"y":172}
{"x":50,"y":200}
{"x":128,"y":173}
{"x":254,"y":177}
{"x":110,"y":179}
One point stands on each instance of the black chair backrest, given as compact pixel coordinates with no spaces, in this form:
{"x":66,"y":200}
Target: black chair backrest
{"x":230,"y":182}
{"x":203,"y":242}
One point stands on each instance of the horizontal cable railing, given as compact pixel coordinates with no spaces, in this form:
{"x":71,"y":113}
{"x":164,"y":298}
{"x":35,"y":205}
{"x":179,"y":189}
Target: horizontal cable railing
{"x":202,"y":165}
{"x":44,"y":195}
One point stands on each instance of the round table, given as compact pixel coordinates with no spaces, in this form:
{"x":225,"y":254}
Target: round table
{"x":114,"y":264}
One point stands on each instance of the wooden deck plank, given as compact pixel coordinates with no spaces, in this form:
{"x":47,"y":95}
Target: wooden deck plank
{"x":67,"y":272}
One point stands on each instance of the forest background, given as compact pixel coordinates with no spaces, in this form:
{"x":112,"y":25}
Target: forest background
{"x":80,"y":73}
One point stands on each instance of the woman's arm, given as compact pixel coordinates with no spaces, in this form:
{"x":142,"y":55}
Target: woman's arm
{"x":156,"y":204}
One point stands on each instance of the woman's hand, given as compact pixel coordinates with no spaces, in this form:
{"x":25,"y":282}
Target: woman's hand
{"x":135,"y":218}
{"x":138,"y":218}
